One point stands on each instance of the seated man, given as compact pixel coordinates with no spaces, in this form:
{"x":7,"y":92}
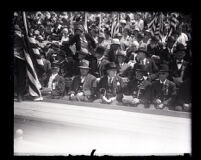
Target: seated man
{"x":163,"y":90}
{"x":56,"y":85}
{"x":123,"y":68}
{"x":138,"y":89}
{"x":82,"y":88}
{"x":109,"y":88}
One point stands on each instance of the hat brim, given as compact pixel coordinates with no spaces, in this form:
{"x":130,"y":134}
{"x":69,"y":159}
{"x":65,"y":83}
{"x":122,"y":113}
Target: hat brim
{"x":163,"y":71}
{"x":112,"y":68}
{"x":82,"y":67}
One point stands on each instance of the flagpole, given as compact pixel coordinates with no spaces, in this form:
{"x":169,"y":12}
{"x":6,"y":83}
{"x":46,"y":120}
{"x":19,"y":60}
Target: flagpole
{"x":25,"y":22}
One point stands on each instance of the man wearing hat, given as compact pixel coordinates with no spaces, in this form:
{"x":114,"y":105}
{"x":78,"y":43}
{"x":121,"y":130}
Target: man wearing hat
{"x":101,"y":42}
{"x":150,"y":66}
{"x":138,"y":89}
{"x":83,"y":85}
{"x":163,"y":90}
{"x":167,"y":51}
{"x":180,"y":70}
{"x":110,"y":87}
{"x":101,"y":60}
{"x":81,"y":40}
{"x":56,"y":84}
{"x":111,"y":54}
{"x":125,"y":39}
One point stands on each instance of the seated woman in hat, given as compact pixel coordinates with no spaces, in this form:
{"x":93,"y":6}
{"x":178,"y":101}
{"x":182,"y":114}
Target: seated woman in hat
{"x":138,"y":88}
{"x":163,"y":90}
{"x":56,"y":84}
{"x":110,"y":87}
{"x":82,"y":88}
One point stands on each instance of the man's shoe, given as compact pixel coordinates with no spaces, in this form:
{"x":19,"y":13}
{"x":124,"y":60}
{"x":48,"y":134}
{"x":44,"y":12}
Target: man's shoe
{"x":38,"y":99}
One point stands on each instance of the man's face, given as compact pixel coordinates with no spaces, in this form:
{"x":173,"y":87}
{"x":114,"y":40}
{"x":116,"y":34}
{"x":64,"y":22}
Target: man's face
{"x":138,"y":75}
{"x":140,"y":55}
{"x":100,"y":39}
{"x":112,"y":72}
{"x":120,"y":59}
{"x":84,"y":71}
{"x":97,"y":55}
{"x":163,"y":76}
{"x":180,"y":55}
{"x":78,"y":32}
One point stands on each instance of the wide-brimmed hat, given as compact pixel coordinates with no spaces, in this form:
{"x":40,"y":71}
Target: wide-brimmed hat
{"x":140,"y":68}
{"x":163,"y":68}
{"x":110,"y":66}
{"x":115,"y":41}
{"x":79,"y":27}
{"x":100,"y":50}
{"x":121,"y":53}
{"x":123,"y":21}
{"x":84,"y":64}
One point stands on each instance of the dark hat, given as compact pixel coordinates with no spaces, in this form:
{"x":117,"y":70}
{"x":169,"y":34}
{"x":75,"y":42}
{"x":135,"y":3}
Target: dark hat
{"x":110,"y":65}
{"x":154,"y":39}
{"x":180,"y":47}
{"x":163,"y":68}
{"x":100,"y":50}
{"x":139,"y":68}
{"x":79,"y":27}
{"x":170,"y":39}
{"x":84,"y":64}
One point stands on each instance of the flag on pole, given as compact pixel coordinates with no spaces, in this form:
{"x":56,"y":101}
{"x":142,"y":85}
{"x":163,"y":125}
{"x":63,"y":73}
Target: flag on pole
{"x":34,"y":63}
{"x":115,"y":25}
{"x":85,"y":21}
{"x":173,"y":22}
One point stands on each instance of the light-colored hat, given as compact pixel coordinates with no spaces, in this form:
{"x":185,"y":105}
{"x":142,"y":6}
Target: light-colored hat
{"x":121,"y":53}
{"x":123,"y":21}
{"x":84,"y":64}
{"x":115,"y":41}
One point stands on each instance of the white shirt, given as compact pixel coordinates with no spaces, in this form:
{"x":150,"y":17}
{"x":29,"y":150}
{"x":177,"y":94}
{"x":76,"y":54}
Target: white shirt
{"x":84,"y":43}
{"x":179,"y":65}
{"x":164,"y":82}
{"x":110,"y":79}
{"x":52,"y":77}
{"x":82,"y":79}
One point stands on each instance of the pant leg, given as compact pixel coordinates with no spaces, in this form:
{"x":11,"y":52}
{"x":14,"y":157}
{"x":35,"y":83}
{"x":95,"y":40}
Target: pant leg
{"x":20,"y":75}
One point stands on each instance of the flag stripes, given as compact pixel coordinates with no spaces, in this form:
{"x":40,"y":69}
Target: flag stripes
{"x":115,"y":25}
{"x":34,"y":63}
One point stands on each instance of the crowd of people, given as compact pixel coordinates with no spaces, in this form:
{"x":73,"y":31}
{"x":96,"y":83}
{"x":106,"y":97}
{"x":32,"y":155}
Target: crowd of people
{"x":84,"y":62}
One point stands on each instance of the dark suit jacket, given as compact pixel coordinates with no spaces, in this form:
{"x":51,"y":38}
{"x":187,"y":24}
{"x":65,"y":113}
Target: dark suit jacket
{"x":88,"y":85}
{"x":150,"y":67}
{"x":60,"y":86}
{"x":116,"y":90}
{"x":132,"y":89}
{"x":175,"y":72}
{"x":76,"y":40}
{"x":157,"y":91}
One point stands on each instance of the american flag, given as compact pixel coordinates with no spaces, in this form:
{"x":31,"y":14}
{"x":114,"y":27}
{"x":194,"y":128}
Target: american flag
{"x":115,"y":25}
{"x":34,"y":63}
{"x":157,"y":24}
